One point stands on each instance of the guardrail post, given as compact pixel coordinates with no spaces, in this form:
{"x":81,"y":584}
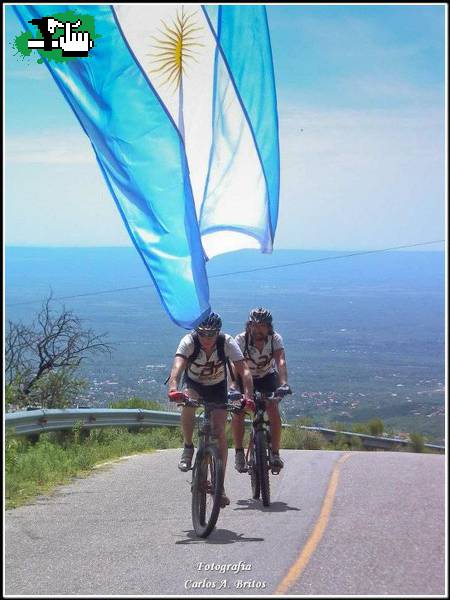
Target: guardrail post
{"x":33,"y":438}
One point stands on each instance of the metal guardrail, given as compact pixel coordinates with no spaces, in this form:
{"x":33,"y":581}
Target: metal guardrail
{"x":369,"y":441}
{"x":43,"y":420}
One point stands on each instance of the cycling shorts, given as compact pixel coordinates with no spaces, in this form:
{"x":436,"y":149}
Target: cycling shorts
{"x":216,"y":394}
{"x":265,"y":385}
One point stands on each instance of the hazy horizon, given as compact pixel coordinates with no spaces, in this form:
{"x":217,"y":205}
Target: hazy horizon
{"x":417,"y":246}
{"x":364,"y":336}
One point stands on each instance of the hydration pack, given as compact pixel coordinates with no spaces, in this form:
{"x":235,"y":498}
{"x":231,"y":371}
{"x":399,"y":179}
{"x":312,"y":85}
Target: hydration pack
{"x":220,"y":345}
{"x":247,"y":352}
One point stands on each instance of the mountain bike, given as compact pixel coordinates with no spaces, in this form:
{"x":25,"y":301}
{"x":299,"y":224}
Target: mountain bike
{"x":208,"y":471}
{"x":259,"y":452}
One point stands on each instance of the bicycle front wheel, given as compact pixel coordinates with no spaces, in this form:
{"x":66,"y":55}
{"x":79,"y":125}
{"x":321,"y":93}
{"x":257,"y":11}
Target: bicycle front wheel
{"x":253,"y":472}
{"x":207,"y":484}
{"x":262,"y":465}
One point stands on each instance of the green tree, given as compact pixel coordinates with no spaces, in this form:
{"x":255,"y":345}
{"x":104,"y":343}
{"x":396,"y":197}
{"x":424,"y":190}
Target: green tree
{"x":57,"y":389}
{"x":41,"y":359}
{"x":339,"y":426}
{"x":376,"y":426}
{"x":360,"y":428}
{"x":417,"y":442}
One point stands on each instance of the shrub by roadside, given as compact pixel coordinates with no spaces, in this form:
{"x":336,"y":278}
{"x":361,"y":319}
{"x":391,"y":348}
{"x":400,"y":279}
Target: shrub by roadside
{"x":301,"y":439}
{"x":34,"y":469}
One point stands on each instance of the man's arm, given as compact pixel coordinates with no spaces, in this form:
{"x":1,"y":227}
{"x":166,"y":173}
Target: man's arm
{"x":178,"y":366}
{"x":242,"y":369}
{"x":280,"y":360}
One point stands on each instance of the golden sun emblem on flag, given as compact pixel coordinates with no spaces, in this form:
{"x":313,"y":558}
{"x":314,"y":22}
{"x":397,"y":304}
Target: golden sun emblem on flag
{"x":176,"y":46}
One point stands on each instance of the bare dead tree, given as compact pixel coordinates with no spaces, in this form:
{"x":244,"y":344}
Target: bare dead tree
{"x":55,"y":341}
{"x":17,"y":340}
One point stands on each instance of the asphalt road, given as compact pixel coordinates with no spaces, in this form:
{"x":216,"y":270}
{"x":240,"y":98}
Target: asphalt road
{"x":127,"y":530}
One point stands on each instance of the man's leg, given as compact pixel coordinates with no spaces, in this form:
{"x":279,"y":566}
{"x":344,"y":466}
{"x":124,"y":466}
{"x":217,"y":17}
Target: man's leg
{"x":187,"y":424}
{"x":187,"y":427}
{"x":275,"y":425}
{"x":271,"y":382}
{"x":219,"y":420}
{"x":238,"y":428}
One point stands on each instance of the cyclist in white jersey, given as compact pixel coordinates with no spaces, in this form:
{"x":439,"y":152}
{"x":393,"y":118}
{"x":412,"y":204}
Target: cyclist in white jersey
{"x":263,"y":349}
{"x":202,"y":356}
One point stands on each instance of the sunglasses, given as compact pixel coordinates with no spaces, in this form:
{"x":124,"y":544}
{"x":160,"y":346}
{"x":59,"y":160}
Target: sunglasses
{"x":208,"y":334}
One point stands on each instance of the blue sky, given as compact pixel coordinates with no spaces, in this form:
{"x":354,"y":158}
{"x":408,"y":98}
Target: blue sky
{"x":361,"y":92}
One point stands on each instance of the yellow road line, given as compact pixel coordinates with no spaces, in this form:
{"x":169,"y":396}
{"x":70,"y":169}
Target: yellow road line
{"x":297,"y":568}
{"x":114,"y":460}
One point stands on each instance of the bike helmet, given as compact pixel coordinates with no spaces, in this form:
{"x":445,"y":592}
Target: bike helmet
{"x":260,"y":315}
{"x":213,"y":322}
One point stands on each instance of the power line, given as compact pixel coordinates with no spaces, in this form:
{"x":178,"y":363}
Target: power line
{"x":304,"y":262}
{"x":325,"y":258}
{"x":138,"y":287}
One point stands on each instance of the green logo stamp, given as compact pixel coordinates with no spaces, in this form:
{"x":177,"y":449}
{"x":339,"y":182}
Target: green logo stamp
{"x":61,"y":37}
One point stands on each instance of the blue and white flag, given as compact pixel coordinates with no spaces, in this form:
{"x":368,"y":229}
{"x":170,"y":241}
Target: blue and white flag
{"x":179,"y":104}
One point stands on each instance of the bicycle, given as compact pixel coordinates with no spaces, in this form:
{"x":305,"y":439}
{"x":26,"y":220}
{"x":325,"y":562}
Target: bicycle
{"x":259,"y":452}
{"x":208,"y":470}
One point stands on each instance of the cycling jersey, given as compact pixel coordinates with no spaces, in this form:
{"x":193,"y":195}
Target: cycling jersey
{"x":260,"y":363}
{"x":208,"y":371}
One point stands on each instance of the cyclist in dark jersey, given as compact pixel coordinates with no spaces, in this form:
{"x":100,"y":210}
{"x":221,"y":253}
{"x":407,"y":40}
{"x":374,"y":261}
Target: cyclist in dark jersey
{"x":205,"y":377}
{"x":263,"y":349}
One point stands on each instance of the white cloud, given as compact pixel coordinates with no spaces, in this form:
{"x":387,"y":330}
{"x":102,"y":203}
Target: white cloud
{"x":360,"y":179}
{"x":29,"y":74}
{"x":349,"y":180}
{"x":65,"y":147}
{"x":391,"y":88}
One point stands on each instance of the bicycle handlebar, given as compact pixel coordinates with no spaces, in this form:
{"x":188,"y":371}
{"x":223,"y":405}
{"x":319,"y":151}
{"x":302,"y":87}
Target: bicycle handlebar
{"x":277,"y":395}
{"x":236,"y":402}
{"x":178,"y":397}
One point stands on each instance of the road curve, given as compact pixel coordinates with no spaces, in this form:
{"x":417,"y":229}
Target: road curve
{"x":372,"y":523}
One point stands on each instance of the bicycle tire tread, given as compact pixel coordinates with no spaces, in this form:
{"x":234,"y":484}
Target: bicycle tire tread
{"x":203,"y":526}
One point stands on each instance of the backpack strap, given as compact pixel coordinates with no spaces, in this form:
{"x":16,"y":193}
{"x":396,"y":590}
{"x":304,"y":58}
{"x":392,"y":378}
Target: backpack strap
{"x":247,"y":354}
{"x":221,"y":354}
{"x":193,"y":357}
{"x":220,"y":344}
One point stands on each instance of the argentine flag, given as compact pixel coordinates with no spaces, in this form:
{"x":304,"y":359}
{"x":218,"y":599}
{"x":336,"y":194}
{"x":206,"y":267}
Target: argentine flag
{"x":179,"y":104}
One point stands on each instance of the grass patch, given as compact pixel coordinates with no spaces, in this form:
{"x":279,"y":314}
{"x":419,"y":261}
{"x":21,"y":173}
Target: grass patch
{"x":35,"y":469}
{"x":301,"y":439}
{"x":136,"y":402}
{"x":32,"y":469}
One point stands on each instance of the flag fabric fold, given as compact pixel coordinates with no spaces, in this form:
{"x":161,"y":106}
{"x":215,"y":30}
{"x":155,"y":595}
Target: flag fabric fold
{"x":179,"y":104}
{"x":245,"y":63}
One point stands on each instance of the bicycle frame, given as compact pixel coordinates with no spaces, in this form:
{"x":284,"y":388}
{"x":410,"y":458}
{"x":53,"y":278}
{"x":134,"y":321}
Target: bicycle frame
{"x":208,"y":472}
{"x":259,"y":452}
{"x":204,"y":430}
{"x":259,"y":423}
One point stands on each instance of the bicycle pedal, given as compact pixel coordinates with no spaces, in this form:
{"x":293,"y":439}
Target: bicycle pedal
{"x":275,"y":471}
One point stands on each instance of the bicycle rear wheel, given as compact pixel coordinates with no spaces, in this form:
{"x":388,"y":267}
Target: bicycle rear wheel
{"x":253,"y":472}
{"x":207,"y":484}
{"x":262,"y":465}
